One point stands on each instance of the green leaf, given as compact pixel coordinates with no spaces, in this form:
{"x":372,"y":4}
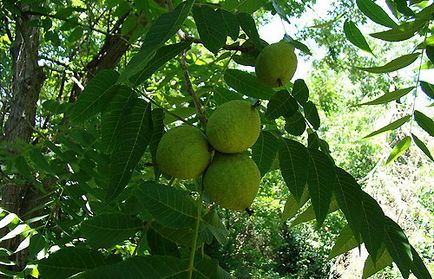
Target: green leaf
{"x":160,"y":245}
{"x":428,"y":88}
{"x":157,"y":133}
{"x":247,"y":84}
{"x":345,"y":242}
{"x":248,"y":25}
{"x":372,"y":227}
{"x":400,"y":33}
{"x":320,"y":181}
{"x":403,"y":8}
{"x":107,"y":230}
{"x":136,"y":135}
{"x":311,"y":114}
{"x":281,"y":104}
{"x":392,"y":126}
{"x":37,"y":243}
{"x":356,"y":37}
{"x":371,"y":267}
{"x":292,"y":205}
{"x":375,"y":13}
{"x":295,"y":124}
{"x":24,"y":169}
{"x":213,"y":223}
{"x":162,"y":56}
{"x":430,"y":53}
{"x":69,"y":261}
{"x":394,"y":65}
{"x":418,"y":267}
{"x":223,"y":95}
{"x":230,"y":23}
{"x":169,"y":206}
{"x":162,"y":30}
{"x":424,"y":122}
{"x":40,"y":161}
{"x":309,"y":213}
{"x":349,"y":194}
{"x":390,"y":96}
{"x":399,"y":149}
{"x":113,"y":119}
{"x":140,"y":267}
{"x":95,"y":96}
{"x":300,"y":91}
{"x":208,"y":22}
{"x":297,"y":44}
{"x":183,"y":236}
{"x":422,"y":146}
{"x":264,"y":151}
{"x":294,"y":162}
{"x":398,"y":246}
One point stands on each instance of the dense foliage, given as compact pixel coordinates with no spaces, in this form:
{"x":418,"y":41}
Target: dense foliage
{"x":88,"y":88}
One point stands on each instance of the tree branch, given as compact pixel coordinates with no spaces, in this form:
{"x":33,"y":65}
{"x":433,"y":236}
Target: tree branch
{"x":190,"y":90}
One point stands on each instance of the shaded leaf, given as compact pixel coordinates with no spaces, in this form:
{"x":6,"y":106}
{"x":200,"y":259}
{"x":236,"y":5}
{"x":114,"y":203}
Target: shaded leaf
{"x":418,"y":267}
{"x":136,"y":135}
{"x":264,"y":151}
{"x":375,"y":13}
{"x":422,"y":146}
{"x":213,"y":223}
{"x":69,"y":261}
{"x":392,"y":126}
{"x":345,"y":242}
{"x":399,"y":149}
{"x":208,"y":22}
{"x":162,"y":30}
{"x":248,"y":25}
{"x":372,"y":227}
{"x":169,"y":206}
{"x":37,"y":243}
{"x":424,"y":122}
{"x":223,"y":95}
{"x":309,"y":213}
{"x":400,"y":33}
{"x":160,"y":245}
{"x":281,"y":104}
{"x":320,"y":181}
{"x":40,"y":161}
{"x":247,"y":84}
{"x":300,"y":91}
{"x":95,"y":96}
{"x":295,"y":124}
{"x":398,"y":246}
{"x":356,"y":37}
{"x":138,"y":267}
{"x":371,"y":267}
{"x":311,"y":114}
{"x":230,"y":23}
{"x":427,"y":88}
{"x":294,"y":162}
{"x":292,"y":205}
{"x":394,"y":65}
{"x":106,"y":230}
{"x":389,"y":96}
{"x":162,"y":56}
{"x":113,"y":119}
{"x":349,"y":194}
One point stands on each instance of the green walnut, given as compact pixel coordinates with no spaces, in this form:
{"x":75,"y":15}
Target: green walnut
{"x":276,"y":64}
{"x":232,"y":181}
{"x":233,"y":127}
{"x":183,"y":152}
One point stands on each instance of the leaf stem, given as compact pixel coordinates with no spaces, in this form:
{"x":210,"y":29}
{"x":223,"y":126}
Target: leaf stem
{"x":196,"y":233}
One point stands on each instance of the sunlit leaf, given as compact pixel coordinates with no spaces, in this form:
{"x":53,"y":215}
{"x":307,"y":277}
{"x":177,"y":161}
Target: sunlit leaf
{"x":389,"y":96}
{"x":392,"y":126}
{"x":375,"y":13}
{"x":394,"y":65}
{"x":356,"y":37}
{"x":424,"y":122}
{"x":371,"y":267}
{"x":399,"y":149}
{"x":345,"y":242}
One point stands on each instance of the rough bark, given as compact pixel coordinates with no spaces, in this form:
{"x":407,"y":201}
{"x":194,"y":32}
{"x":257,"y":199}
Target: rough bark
{"x":27,"y":82}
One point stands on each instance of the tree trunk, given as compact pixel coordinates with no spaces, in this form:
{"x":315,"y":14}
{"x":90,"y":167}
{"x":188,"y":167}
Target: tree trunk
{"x":27,"y":82}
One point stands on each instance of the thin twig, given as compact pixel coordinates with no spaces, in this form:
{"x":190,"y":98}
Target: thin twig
{"x":190,"y":90}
